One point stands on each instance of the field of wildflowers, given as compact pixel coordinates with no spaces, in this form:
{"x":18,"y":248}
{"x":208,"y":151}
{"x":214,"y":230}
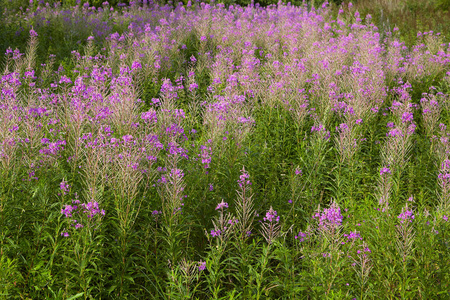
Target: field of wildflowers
{"x":211,"y":152}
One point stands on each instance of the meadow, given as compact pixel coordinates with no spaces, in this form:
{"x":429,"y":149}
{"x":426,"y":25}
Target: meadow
{"x":212,"y":151}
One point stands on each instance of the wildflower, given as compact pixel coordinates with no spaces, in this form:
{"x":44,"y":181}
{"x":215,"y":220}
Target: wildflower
{"x":407,"y":117}
{"x":342,"y":127}
{"x":33,"y":33}
{"x":243,"y":179}
{"x":271,"y":216}
{"x":215,"y":233}
{"x":64,"y":186}
{"x":136,"y":65}
{"x":222,"y":205}
{"x":301,"y":236}
{"x":201,"y":265}
{"x":385,"y":171}
{"x":330,"y":218}
{"x":353,"y":236}
{"x":395,"y":133}
{"x":411,"y":128}
{"x":406,"y":215}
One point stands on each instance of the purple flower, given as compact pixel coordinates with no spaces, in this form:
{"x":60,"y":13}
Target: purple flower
{"x":92,"y":209}
{"x":406,"y":215}
{"x":149,"y":116}
{"x":407,"y":117}
{"x":321,"y":129}
{"x":222,"y":205}
{"x":385,"y":171}
{"x":136,"y":65}
{"x":205,"y":155}
{"x":271,"y":216}
{"x":301,"y":236}
{"x":193,"y":86}
{"x":65,"y":79}
{"x":33,"y":33}
{"x":343,"y":127}
{"x":215,"y":233}
{"x":395,"y":132}
{"x":176,"y":173}
{"x":127,"y":138}
{"x":201,"y":265}
{"x":67,"y":210}
{"x":411,"y":128}
{"x":330,"y":219}
{"x":353,"y":236}
{"x":244,"y":179}
{"x":64,"y":186}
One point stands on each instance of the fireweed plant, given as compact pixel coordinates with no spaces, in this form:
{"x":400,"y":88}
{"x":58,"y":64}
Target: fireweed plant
{"x":211,"y":152}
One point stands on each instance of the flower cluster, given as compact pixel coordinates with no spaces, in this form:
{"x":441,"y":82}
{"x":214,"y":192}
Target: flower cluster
{"x":81,"y":211}
{"x":64,"y":186}
{"x":216,"y":232}
{"x":222,"y":205}
{"x":385,"y":170}
{"x":244,"y":179}
{"x":302,"y":236}
{"x":321,"y":130}
{"x":205,"y":155}
{"x":352,"y":236}
{"x":330,"y":219}
{"x":271,"y":216}
{"x":407,"y":215}
{"x":364,"y":251}
{"x":270,"y":229}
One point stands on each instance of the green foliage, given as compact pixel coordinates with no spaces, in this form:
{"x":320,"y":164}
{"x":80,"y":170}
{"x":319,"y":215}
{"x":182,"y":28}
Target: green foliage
{"x":410,"y":16}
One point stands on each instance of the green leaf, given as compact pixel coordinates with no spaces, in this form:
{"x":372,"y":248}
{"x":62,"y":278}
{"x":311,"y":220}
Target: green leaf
{"x":76,"y":296}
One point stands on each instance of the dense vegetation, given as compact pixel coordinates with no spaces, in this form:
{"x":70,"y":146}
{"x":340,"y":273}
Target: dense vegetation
{"x":212,"y":151}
